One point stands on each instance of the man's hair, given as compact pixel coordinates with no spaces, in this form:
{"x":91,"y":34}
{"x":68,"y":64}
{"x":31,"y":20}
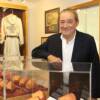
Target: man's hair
{"x":73,"y":12}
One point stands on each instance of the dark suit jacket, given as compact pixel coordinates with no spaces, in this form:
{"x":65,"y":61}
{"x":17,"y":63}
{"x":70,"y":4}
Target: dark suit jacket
{"x":84,"y":50}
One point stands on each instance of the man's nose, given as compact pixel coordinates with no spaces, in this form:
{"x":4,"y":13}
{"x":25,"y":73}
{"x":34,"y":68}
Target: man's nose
{"x":66,"y":25}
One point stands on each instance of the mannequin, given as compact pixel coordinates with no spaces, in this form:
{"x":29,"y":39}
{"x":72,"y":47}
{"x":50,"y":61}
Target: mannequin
{"x":12,"y":36}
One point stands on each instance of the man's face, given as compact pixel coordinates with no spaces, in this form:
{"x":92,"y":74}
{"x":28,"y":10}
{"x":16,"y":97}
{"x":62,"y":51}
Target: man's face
{"x":68,"y":23}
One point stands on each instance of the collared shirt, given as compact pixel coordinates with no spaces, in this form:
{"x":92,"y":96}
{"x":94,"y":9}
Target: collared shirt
{"x":67,"y":49}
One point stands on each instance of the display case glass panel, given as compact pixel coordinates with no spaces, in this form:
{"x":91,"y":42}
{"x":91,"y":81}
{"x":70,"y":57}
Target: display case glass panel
{"x":72,"y":79}
{"x":23,"y":84}
{"x":74,"y":83}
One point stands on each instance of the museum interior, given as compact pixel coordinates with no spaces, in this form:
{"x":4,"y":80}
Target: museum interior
{"x":26,"y":24}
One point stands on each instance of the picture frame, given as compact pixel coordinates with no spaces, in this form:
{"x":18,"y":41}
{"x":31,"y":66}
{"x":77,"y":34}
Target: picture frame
{"x":43,"y":39}
{"x":52,"y":20}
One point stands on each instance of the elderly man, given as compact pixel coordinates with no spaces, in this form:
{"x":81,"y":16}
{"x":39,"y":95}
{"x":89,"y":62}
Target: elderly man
{"x":71,"y":45}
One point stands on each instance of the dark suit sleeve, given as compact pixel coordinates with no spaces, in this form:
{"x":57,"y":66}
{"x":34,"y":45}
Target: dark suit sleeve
{"x":94,"y":53}
{"x":95,"y":70}
{"x":41,"y":51}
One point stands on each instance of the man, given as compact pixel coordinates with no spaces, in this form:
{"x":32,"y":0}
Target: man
{"x":70,"y":45}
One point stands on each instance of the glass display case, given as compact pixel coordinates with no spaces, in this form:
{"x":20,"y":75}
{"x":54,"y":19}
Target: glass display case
{"x":75,"y":83}
{"x":72,"y":81}
{"x":39,"y":78}
{"x":17,"y":83}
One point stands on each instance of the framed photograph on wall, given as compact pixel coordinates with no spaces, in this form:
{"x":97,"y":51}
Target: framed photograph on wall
{"x":52,"y":20}
{"x":43,"y":39}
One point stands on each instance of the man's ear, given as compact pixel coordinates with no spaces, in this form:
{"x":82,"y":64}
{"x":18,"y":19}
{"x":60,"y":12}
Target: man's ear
{"x":77,"y":24}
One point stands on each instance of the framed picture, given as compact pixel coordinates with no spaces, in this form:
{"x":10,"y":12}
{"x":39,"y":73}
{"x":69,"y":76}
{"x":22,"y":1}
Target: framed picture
{"x":52,"y":20}
{"x":43,"y":39}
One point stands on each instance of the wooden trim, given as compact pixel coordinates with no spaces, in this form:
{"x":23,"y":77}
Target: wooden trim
{"x":13,"y":5}
{"x":85,"y":5}
{"x":26,"y":32}
{"x":99,"y":29}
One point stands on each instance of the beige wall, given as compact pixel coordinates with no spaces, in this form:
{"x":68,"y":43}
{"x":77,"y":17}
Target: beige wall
{"x":36,"y":16}
{"x":87,"y":23}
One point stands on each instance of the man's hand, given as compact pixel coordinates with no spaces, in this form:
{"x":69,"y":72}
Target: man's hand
{"x":54,"y":59}
{"x":56,"y":62}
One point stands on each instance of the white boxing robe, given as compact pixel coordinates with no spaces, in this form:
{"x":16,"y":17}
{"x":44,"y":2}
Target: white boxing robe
{"x":12,"y":35}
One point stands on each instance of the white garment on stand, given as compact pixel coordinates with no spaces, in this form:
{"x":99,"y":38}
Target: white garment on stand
{"x":12,"y":35}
